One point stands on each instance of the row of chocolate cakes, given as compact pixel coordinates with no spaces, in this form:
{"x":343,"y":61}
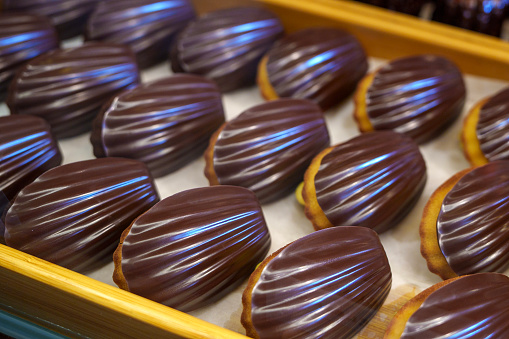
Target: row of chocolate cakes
{"x":373,"y":179}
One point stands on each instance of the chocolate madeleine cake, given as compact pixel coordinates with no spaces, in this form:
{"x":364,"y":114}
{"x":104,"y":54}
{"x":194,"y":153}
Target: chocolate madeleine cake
{"x":67,"y":87}
{"x":226,"y":45}
{"x":267,"y":148}
{"x":194,"y":247}
{"x":328,"y":284}
{"x":320,"y":64}
{"x":485,"y":134}
{"x":147,"y":26}
{"x":372,"y":180}
{"x":419,"y":96}
{"x":73,"y":215}
{"x":22,"y":37}
{"x":165,"y":123}
{"x":27,"y":150}
{"x":68,"y":16}
{"x":465,"y":225}
{"x":474,"y":306}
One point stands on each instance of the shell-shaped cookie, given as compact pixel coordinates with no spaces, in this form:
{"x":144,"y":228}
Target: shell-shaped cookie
{"x":325,"y":285}
{"x":147,"y":26}
{"x":372,"y":180}
{"x":492,"y":128}
{"x":474,"y":306}
{"x":194,"y":247}
{"x":473,"y":224}
{"x":268,"y":147}
{"x":68,"y":16}
{"x":27,"y":150}
{"x":226,"y":45}
{"x":73,"y":215}
{"x":22,"y":37}
{"x":319,"y":64}
{"x":418,"y":96}
{"x":67,"y":87}
{"x":165,"y":123}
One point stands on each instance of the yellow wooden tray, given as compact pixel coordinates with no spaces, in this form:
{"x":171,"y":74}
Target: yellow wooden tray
{"x":74,"y":305}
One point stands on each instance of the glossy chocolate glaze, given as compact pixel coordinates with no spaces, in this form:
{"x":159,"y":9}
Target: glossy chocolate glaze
{"x":325,"y":285}
{"x":319,"y":64}
{"x":68,"y":16}
{"x":268,"y":147}
{"x":412,"y":7}
{"x":419,"y":96}
{"x":67,"y":87}
{"x":493,"y":127}
{"x":22,"y":37}
{"x":27,"y":150}
{"x":226,"y":45}
{"x":73,"y":215}
{"x":165,"y":123}
{"x":473,"y":221}
{"x":147,"y":26}
{"x":473,"y":307}
{"x":372,"y":180}
{"x":195,"y":246}
{"x":485,"y":16}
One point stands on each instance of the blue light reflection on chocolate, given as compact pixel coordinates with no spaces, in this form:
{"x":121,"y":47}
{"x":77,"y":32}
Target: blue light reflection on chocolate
{"x":226,"y":45}
{"x":22,"y":37}
{"x":194,"y":247}
{"x":325,"y":285}
{"x":147,"y":26}
{"x":475,"y":306}
{"x":268,"y":147}
{"x":73,"y":215}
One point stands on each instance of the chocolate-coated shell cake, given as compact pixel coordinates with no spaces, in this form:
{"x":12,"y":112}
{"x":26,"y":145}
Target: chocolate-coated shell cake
{"x":267,"y":148}
{"x":226,"y":45}
{"x":22,"y":37}
{"x":474,"y":306}
{"x":147,"y":26}
{"x":67,"y":87}
{"x":328,"y":284}
{"x":485,"y":133}
{"x":419,"y":96}
{"x":165,"y":123}
{"x":319,"y":64}
{"x":73,"y":215}
{"x":193,"y":247}
{"x":372,"y":180}
{"x":465,"y":225}
{"x":68,"y":16}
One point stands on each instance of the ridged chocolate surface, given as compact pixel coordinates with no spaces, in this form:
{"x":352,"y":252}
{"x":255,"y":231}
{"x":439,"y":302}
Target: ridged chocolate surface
{"x":268,"y":147}
{"x":473,"y":224}
{"x":147,"y":26}
{"x":22,"y":37}
{"x":485,"y":16}
{"x":473,"y":307}
{"x":418,"y":96}
{"x":372,"y":180}
{"x":319,"y":64}
{"x":226,"y":45}
{"x":73,"y":215}
{"x":165,"y":123}
{"x":27,"y":150}
{"x":68,"y":16}
{"x":325,"y":285}
{"x":412,"y":7}
{"x":67,"y":87}
{"x":195,"y":246}
{"x":493,"y":127}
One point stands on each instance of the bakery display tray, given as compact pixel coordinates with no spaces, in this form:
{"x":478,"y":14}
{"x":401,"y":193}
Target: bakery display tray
{"x":70,"y":304}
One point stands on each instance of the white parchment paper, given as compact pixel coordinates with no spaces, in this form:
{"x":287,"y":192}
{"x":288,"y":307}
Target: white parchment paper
{"x":285,"y":218}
